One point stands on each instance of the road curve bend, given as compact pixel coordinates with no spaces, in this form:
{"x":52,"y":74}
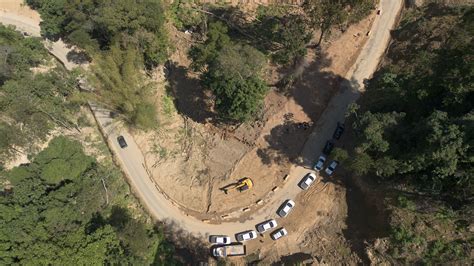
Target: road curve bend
{"x":132,"y":161}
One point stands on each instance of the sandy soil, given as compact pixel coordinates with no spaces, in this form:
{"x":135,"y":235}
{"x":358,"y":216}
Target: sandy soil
{"x":191,"y":158}
{"x":17,"y":7}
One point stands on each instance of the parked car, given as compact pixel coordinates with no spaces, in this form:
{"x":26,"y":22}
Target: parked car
{"x":247,"y":235}
{"x":236,"y":249}
{"x":219,"y":239}
{"x":339,"y":130}
{"x":121,"y":141}
{"x":307,"y":180}
{"x":320,"y":163}
{"x":328,"y":147}
{"x":286,"y":208}
{"x":279,"y":233}
{"x":265,"y":226}
{"x":332,"y":166}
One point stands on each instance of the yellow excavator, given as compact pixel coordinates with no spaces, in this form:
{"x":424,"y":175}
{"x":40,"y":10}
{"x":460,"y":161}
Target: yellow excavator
{"x":241,"y":185}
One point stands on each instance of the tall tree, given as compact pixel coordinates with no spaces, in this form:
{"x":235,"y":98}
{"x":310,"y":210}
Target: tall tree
{"x":124,"y":89}
{"x":325,"y":14}
{"x":234,"y":78}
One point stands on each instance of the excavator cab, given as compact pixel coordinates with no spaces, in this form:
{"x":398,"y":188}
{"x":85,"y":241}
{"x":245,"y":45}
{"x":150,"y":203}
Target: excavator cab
{"x":241,"y":185}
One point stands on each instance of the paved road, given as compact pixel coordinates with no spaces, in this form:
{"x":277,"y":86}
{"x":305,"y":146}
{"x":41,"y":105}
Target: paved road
{"x":132,"y":161}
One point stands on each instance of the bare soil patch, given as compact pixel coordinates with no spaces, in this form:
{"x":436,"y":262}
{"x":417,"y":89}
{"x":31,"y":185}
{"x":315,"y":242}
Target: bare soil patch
{"x":19,"y":8}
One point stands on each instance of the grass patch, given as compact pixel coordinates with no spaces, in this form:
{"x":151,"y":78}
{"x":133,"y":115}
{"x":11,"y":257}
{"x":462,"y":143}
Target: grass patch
{"x":167,"y":102}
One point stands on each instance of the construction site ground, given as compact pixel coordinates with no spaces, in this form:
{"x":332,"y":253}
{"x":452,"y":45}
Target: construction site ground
{"x":191,"y":158}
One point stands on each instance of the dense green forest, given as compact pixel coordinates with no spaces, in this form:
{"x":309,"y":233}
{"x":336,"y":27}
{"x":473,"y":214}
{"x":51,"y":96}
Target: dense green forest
{"x":56,"y":212}
{"x":55,"y":209}
{"x":414,"y":130}
{"x":98,"y":25}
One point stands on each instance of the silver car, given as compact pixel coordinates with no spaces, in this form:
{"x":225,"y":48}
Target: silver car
{"x":307,"y":180}
{"x":332,"y":166}
{"x":279,"y":233}
{"x":247,"y":235}
{"x":320,"y":163}
{"x":216,"y":239}
{"x":286,"y":208}
{"x":265,"y":226}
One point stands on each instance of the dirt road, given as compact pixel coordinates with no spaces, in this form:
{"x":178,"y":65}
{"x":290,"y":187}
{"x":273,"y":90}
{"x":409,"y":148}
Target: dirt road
{"x":132,"y":161}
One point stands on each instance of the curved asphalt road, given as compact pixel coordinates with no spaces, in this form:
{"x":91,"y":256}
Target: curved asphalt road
{"x":132,"y":161}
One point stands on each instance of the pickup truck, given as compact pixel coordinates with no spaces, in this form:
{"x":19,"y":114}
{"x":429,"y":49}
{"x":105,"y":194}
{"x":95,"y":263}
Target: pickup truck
{"x":229,"y":250}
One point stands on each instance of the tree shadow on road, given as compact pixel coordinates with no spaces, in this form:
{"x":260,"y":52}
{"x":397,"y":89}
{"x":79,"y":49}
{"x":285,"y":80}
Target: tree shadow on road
{"x":191,"y":99}
{"x":190,"y":249}
{"x":312,"y":90}
{"x":315,"y":86}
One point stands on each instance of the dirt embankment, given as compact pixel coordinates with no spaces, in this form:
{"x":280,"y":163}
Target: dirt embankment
{"x":191,"y":158}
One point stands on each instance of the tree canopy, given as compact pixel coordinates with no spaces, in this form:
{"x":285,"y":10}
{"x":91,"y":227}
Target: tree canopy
{"x":285,"y":37}
{"x":124,"y":38}
{"x":415,"y":121}
{"x":232,"y":72}
{"x":55,"y":213}
{"x":95,"y":25}
{"x":31,"y":104}
{"x":122,"y":88}
{"x":323,"y":15}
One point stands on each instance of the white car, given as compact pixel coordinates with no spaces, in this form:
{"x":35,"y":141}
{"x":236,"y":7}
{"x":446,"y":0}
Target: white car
{"x":286,"y":208}
{"x":320,"y":163}
{"x":265,"y":226}
{"x":279,"y":233}
{"x":219,"y":239}
{"x":247,"y":235}
{"x":307,"y":180}
{"x":332,"y":166}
